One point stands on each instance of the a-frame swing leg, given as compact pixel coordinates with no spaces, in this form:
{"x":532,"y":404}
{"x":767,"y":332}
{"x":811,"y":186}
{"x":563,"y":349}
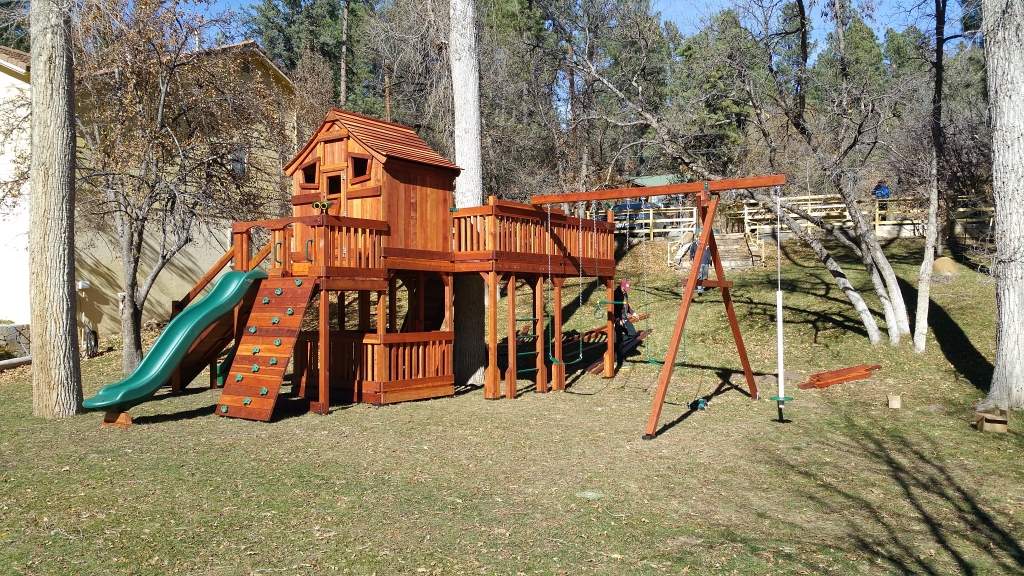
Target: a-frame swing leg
{"x":706,"y":208}
{"x":706,"y":211}
{"x":733,"y":323}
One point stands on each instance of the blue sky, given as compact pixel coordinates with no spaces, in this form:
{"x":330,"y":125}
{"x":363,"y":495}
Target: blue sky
{"x":687,"y":14}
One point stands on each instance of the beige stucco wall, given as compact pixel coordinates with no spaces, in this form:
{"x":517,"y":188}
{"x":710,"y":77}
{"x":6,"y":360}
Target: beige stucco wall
{"x":14,"y":302}
{"x":98,"y":262}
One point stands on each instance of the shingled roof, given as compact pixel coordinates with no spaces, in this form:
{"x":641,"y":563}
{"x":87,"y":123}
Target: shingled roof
{"x":386,"y":139}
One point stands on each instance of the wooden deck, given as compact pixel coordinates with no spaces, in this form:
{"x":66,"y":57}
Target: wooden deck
{"x":498,"y":237}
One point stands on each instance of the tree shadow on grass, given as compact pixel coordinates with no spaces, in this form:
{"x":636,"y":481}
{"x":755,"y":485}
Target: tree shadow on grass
{"x":943,"y":521}
{"x":956,"y":346}
{"x":725,"y":384}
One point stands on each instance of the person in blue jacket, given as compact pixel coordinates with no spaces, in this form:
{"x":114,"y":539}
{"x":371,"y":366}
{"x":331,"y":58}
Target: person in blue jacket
{"x":881,"y":193}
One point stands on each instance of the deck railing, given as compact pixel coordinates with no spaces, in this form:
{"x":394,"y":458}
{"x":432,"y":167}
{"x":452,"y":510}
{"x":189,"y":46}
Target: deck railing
{"x":409,"y":356}
{"x":516,"y":229}
{"x":334,"y":246}
{"x":905,"y":214}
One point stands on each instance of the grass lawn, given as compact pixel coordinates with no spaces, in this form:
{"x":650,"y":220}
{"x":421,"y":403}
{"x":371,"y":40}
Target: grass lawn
{"x":558,"y":483}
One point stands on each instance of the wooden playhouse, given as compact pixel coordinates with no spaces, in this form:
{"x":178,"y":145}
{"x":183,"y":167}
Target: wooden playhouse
{"x":374,"y":222}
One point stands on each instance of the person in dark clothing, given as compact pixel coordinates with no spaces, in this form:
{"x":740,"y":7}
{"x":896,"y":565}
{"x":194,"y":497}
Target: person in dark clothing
{"x":624,"y":314}
{"x":704,"y":262}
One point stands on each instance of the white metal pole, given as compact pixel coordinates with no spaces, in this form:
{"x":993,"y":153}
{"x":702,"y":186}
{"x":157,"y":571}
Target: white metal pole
{"x":778,"y":292}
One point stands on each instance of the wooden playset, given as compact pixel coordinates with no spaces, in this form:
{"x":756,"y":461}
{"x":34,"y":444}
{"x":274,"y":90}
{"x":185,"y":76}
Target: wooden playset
{"x":373,"y":214}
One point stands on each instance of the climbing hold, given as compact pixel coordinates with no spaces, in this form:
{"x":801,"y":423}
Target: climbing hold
{"x":255,"y":367}
{"x":289,"y":311}
{"x":263,"y":391}
{"x":224,"y":409}
{"x":277,"y":342}
{"x":273,"y":361}
{"x":298,"y":281}
{"x":278,"y":291}
{"x":238,"y":378}
{"x":255,"y":349}
{"x":247,"y":401}
{"x":266,"y":300}
{"x":275,"y":320}
{"x":252,"y":329}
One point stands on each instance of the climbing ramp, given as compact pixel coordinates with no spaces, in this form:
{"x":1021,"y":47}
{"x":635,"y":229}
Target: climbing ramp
{"x":266,"y":345}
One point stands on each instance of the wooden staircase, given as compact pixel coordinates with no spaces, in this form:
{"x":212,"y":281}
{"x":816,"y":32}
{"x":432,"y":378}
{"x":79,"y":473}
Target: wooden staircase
{"x":735,"y":249}
{"x":266,"y":345}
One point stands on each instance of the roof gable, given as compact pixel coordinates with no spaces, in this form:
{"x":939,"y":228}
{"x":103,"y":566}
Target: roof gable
{"x":383,"y":140}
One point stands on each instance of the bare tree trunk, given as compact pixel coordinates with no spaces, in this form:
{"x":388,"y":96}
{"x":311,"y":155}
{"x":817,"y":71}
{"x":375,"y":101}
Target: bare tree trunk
{"x":869,"y":243}
{"x":1003,"y":23}
{"x":470,"y":352}
{"x":343,"y":81}
{"x":931,"y":227}
{"x":870,"y":326}
{"x":891,"y":324}
{"x":56,"y":372}
{"x":131,"y":317}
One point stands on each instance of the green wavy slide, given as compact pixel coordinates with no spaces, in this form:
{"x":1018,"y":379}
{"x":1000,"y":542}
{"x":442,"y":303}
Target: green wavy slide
{"x":173,"y":344}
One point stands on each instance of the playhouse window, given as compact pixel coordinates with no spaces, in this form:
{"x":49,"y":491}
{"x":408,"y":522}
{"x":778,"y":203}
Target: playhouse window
{"x":309,"y":174}
{"x":334,"y":184}
{"x":360,"y":167}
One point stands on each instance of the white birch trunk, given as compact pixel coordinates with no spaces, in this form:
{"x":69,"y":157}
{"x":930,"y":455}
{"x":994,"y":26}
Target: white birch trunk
{"x":931,"y":227}
{"x":924,"y":277}
{"x":343,"y":81}
{"x":56,"y":373}
{"x":1003,"y":22}
{"x":470,"y":351}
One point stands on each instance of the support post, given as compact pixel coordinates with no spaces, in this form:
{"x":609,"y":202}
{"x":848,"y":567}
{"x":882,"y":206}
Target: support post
{"x":492,"y":377}
{"x":322,"y":405}
{"x":393,"y":304}
{"x":381,"y":370}
{"x":448,"y":301}
{"x":241,"y":256}
{"x":538,"y":304}
{"x":557,"y":368}
{"x":512,"y":373}
{"x":609,"y":353}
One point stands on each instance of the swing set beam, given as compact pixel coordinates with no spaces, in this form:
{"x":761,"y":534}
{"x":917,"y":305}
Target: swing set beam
{"x":667,"y":190}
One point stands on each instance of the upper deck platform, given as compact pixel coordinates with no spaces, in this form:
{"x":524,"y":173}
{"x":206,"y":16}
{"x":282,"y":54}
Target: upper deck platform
{"x":355,"y":253}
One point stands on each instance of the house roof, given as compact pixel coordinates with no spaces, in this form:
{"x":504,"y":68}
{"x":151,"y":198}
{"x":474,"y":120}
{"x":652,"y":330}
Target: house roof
{"x":657,"y":180}
{"x":251,"y":46}
{"x":247,"y":47}
{"x":385,"y":139}
{"x":17,"y":58}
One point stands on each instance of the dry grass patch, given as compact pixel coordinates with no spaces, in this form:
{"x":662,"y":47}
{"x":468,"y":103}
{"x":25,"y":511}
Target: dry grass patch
{"x":558,"y":483}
